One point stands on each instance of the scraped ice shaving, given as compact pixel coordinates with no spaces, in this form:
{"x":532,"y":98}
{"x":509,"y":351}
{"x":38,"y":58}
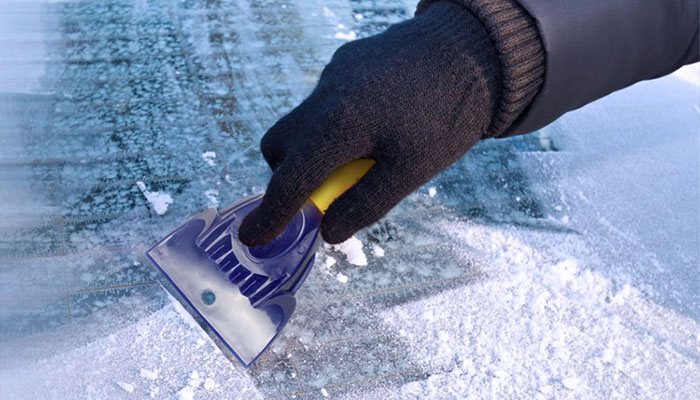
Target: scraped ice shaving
{"x":352,"y":35}
{"x":377,"y":251}
{"x":342,"y":278}
{"x":324,"y":392}
{"x":210,"y":158}
{"x":432,"y":192}
{"x":148,"y":374}
{"x":352,"y":248}
{"x":126,"y":386}
{"x":159,"y":201}
{"x":212,"y":197}
{"x":328,"y":13}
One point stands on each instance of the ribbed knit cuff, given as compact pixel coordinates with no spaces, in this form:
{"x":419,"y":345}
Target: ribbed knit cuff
{"x":520,"y":52}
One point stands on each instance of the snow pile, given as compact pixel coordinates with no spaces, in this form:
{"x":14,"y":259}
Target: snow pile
{"x":543,"y":328}
{"x":159,"y":201}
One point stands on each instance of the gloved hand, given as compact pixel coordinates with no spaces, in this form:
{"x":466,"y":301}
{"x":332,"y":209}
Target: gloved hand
{"x":414,"y":98}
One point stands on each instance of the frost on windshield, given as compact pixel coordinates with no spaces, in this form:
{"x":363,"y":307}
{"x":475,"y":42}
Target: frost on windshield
{"x":561,"y":264}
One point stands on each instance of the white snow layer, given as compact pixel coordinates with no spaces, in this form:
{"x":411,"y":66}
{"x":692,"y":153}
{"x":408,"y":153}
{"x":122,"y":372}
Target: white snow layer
{"x":542,"y":327}
{"x":164,"y":354}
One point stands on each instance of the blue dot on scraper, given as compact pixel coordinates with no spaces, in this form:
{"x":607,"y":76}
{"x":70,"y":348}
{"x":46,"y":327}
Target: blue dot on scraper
{"x":208,"y":297}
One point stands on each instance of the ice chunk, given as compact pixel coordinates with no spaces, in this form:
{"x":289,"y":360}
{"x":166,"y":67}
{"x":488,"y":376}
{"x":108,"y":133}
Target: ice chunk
{"x":148,"y":374}
{"x":352,"y":248}
{"x":210,"y":158}
{"x":377,"y":251}
{"x":571,"y":383}
{"x":159,"y":201}
{"x":126,"y":386}
{"x":352,"y":35}
{"x":212,"y":197}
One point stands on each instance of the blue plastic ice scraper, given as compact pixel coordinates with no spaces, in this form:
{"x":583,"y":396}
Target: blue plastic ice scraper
{"x":245,"y":296}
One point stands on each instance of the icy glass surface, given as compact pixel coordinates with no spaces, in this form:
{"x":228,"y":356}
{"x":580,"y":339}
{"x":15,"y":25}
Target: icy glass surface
{"x":561,"y":264}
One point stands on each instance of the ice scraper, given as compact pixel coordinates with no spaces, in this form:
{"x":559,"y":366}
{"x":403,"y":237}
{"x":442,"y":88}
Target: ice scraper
{"x":245,"y":295}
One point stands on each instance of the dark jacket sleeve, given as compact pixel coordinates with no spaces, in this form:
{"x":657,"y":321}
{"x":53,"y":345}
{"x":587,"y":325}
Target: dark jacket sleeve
{"x":590,"y":48}
{"x":595,"y":47}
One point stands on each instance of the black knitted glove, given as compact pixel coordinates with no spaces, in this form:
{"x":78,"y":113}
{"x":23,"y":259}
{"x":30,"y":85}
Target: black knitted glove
{"x":414,"y":98}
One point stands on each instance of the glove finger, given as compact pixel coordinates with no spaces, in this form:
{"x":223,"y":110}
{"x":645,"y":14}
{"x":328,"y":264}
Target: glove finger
{"x":369,"y":200}
{"x":274,"y":143}
{"x":291,"y":184}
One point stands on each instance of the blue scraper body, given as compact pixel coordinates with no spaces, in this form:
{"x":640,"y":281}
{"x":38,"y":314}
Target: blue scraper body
{"x":245,"y":296}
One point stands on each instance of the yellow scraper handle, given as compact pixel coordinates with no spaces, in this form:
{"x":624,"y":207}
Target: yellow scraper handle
{"x":339,"y":181}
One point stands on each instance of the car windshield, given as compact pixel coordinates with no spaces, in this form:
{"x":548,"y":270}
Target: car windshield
{"x":562,"y":263}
